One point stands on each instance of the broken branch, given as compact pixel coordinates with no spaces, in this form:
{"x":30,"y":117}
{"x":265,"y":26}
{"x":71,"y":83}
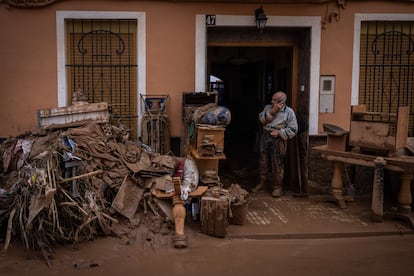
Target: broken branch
{"x":81,"y":176}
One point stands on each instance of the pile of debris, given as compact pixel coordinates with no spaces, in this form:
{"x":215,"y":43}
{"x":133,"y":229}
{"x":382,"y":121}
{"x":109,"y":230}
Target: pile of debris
{"x":72,"y":185}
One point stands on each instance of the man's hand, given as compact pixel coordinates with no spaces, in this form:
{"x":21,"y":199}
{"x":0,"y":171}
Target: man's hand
{"x":274,"y":133}
{"x":276,"y":107}
{"x":280,"y":105}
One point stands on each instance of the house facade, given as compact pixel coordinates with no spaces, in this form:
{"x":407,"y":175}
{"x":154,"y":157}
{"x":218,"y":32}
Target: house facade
{"x":327,"y":55}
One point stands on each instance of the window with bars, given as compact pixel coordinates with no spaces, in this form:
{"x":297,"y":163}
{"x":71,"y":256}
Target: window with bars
{"x":102,"y":62}
{"x":387,"y":67}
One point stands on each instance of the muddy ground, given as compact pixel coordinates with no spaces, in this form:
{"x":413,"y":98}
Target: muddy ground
{"x":145,"y":234}
{"x":384,"y":255}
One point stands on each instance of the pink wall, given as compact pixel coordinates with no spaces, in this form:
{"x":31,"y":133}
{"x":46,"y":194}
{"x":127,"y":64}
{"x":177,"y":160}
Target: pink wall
{"x":28,"y":65}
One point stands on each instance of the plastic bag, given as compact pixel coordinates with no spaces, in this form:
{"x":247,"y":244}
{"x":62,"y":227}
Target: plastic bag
{"x":190,"y":178}
{"x":220,"y":115}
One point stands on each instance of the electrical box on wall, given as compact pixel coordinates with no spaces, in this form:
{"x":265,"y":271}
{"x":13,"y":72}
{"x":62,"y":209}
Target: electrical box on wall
{"x":326,"y":94}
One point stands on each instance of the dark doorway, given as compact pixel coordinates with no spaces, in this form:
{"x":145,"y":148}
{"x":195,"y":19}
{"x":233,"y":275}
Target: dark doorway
{"x":245,"y":79}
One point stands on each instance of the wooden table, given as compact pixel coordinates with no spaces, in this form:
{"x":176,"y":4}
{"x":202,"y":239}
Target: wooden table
{"x":401,"y":164}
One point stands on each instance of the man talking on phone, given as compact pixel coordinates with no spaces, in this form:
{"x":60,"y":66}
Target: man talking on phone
{"x":279,"y":125}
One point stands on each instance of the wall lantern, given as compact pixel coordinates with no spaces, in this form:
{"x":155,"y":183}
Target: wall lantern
{"x":261,"y":19}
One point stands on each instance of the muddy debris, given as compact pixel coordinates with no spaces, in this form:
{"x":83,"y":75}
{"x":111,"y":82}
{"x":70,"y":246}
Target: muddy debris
{"x":72,"y":185}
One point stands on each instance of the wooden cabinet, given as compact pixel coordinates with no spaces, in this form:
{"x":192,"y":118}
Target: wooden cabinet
{"x":207,"y":152}
{"x":209,"y":140}
{"x":191,"y":101}
{"x":207,"y":163}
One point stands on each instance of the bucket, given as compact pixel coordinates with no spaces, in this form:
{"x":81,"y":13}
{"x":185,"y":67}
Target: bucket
{"x":239,"y":214}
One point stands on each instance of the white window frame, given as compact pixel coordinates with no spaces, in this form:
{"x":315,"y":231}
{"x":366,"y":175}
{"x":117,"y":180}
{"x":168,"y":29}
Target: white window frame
{"x":359,"y":17}
{"x":62,"y":81}
{"x":313,"y":22}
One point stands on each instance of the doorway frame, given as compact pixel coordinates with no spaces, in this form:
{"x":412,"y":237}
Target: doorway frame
{"x":312,"y":22}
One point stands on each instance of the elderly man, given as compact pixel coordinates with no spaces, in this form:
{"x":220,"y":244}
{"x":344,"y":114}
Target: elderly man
{"x":279,"y":125}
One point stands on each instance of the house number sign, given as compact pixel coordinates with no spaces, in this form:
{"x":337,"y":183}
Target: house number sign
{"x":210,"y":19}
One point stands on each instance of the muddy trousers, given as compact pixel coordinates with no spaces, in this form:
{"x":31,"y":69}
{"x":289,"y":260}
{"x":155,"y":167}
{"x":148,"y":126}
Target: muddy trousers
{"x":272,"y":158}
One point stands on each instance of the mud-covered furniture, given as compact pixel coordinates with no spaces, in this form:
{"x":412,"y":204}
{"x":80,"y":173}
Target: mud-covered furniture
{"x":402,"y":164}
{"x":379,"y":131}
{"x":214,"y":215}
{"x":338,"y":138}
{"x":179,"y":211}
{"x":190,"y":103}
{"x":207,"y":151}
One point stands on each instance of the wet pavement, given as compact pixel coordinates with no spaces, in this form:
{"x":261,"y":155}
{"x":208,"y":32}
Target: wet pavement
{"x":292,"y":216}
{"x":308,"y":217}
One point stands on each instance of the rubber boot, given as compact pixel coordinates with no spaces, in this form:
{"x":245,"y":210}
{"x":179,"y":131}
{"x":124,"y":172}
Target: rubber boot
{"x":277,"y":185}
{"x":277,"y":191}
{"x":260,"y":186}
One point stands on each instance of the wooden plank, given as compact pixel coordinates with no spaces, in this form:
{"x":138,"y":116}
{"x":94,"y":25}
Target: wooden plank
{"x":128,"y":197}
{"x":402,"y":127}
{"x":73,"y":115}
{"x":359,"y":108}
{"x":196,"y":155}
{"x":168,"y":195}
{"x":377,"y":203}
{"x":396,"y":163}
